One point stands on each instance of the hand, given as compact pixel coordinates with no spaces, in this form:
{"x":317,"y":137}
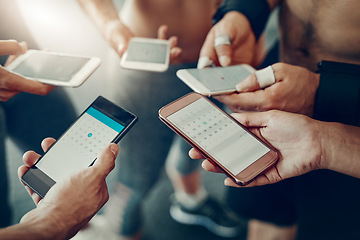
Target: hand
{"x":11,"y":83}
{"x":70,"y":204}
{"x":294,"y":136}
{"x":243,"y":42}
{"x":294,"y":91}
{"x":120,"y":35}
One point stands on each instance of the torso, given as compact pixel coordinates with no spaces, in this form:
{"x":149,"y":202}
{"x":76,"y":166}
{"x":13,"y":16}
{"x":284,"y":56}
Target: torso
{"x":315,"y":30}
{"x":189,"y":20}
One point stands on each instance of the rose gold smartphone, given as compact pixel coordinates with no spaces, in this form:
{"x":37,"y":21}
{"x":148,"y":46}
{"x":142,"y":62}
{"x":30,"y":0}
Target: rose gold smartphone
{"x":223,"y":140}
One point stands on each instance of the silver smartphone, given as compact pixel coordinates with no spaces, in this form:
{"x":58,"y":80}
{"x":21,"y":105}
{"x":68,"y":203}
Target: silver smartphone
{"x":224,"y":141}
{"x":216,"y":80}
{"x":54,"y":68}
{"x":148,"y":54}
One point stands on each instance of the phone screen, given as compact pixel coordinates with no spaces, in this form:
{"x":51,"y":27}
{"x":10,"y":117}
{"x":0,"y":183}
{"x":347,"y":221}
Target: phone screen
{"x":218,"y":135}
{"x":80,"y":145}
{"x":220,"y":78}
{"x":49,"y":66}
{"x":147,"y":52}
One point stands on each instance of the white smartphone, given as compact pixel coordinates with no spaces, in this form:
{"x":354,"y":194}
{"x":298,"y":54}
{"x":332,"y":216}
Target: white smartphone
{"x":216,"y":80}
{"x":224,"y":141}
{"x":101,"y":123}
{"x":148,"y":54}
{"x":53,"y":68}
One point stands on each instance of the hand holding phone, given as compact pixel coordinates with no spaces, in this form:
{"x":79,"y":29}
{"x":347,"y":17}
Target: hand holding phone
{"x":148,"y":54}
{"x":53,"y":68}
{"x":225,"y":142}
{"x":101,"y":123}
{"x":216,"y":80}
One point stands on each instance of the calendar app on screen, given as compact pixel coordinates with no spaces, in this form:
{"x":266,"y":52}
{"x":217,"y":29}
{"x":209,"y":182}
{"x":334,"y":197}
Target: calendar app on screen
{"x":80,"y":145}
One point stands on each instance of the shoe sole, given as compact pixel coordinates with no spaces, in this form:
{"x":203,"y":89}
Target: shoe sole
{"x":192,"y":219}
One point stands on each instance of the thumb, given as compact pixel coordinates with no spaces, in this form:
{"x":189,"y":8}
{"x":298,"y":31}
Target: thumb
{"x":12,"y":47}
{"x":260,"y":79}
{"x":252,"y":119}
{"x":249,"y":84}
{"x":106,"y":161}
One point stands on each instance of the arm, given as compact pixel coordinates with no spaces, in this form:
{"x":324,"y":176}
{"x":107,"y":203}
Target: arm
{"x":106,"y":18}
{"x":69,"y":204}
{"x":341,"y":148}
{"x":38,"y":229}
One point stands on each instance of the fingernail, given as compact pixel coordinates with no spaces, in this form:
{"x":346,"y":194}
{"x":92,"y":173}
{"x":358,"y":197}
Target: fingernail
{"x":224,"y":61}
{"x":204,"y":62}
{"x":113,"y":149}
{"x":23,"y":46}
{"x":238,"y":87}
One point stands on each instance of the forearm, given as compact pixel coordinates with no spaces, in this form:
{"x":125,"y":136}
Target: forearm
{"x":37,"y":230}
{"x":103,"y":13}
{"x":341,"y":148}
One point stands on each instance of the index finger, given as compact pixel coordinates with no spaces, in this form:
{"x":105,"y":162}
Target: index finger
{"x":12,"y":47}
{"x":207,"y":51}
{"x":223,"y":48}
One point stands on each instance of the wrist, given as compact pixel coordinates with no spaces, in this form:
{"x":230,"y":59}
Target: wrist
{"x":323,"y":137}
{"x":110,"y":27}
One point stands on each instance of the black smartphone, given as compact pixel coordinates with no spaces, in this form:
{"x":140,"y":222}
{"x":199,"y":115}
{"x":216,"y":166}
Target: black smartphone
{"x":101,"y":123}
{"x":224,"y":141}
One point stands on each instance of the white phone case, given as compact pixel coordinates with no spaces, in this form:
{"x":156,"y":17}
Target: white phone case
{"x":76,"y":76}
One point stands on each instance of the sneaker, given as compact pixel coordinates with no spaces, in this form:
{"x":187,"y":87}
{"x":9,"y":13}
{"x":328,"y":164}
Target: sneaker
{"x":212,"y":215}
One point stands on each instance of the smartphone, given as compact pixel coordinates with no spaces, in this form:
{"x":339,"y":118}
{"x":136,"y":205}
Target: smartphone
{"x":53,"y":68}
{"x":101,"y":123}
{"x":216,"y":80}
{"x":148,"y":54}
{"x":224,"y":141}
